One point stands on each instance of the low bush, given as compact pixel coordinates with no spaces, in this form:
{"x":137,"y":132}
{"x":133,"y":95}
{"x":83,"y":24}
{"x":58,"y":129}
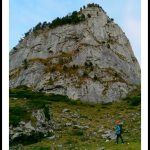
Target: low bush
{"x":134,"y":100}
{"x":85,"y":74}
{"x":46,"y":112}
{"x":134,"y":97}
{"x":36,"y":99}
{"x":77,"y":132}
{"x":28,"y":139}
{"x":16,"y":114}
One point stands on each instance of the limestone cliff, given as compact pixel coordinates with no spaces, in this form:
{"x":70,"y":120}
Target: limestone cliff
{"x":91,"y":60}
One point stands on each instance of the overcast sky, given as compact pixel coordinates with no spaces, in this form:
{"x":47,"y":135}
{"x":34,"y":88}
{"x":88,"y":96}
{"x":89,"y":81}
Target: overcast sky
{"x":25,"y":14}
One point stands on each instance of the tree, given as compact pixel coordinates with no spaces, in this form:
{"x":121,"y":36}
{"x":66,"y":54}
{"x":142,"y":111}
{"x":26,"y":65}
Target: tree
{"x":27,"y":33}
{"x":75,"y":13}
{"x":37,"y":27}
{"x":82,"y":18}
{"x":81,"y":9}
{"x":14,"y":48}
{"x":112,"y":19}
{"x":71,"y":18}
{"x":75,"y":19}
{"x":56,"y":22}
{"x":44,"y":24}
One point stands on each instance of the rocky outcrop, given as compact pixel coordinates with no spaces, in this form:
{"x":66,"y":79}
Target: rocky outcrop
{"x":92,"y":61}
{"x":37,"y":128}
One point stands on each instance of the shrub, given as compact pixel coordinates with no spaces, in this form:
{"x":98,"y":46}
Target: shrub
{"x":37,"y":99}
{"x":134,"y":100}
{"x":53,"y":69}
{"x":95,"y":77}
{"x":84,"y":138}
{"x":134,"y":97}
{"x":88,"y":64}
{"x":74,"y":13}
{"x":37,"y":27}
{"x":77,"y":132}
{"x":14,"y":48}
{"x":27,"y":33}
{"x":51,"y":81}
{"x":65,"y":68}
{"x":134,"y":59}
{"x":44,"y":24}
{"x":112,"y":19}
{"x":73,"y":102}
{"x":108,"y":46}
{"x":18,"y":113}
{"x":85,"y":74}
{"x":68,"y":19}
{"x":89,"y":16}
{"x":28,"y":139}
{"x":25,"y":64}
{"x":75,"y":67}
{"x":21,"y":40}
{"x":82,"y":18}
{"x":22,"y":87}
{"x":46,"y":112}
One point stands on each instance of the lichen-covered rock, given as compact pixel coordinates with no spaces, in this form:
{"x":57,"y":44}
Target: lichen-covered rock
{"x":92,"y":60}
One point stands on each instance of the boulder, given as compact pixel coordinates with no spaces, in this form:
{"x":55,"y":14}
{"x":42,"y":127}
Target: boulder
{"x":109,"y":135}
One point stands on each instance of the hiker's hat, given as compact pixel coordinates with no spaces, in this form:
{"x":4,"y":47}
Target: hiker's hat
{"x":117,"y":122}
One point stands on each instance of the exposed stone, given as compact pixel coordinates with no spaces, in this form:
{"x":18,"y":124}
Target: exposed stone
{"x":17,"y":134}
{"x":65,"y":110}
{"x":29,"y":126}
{"x":18,"y":129}
{"x":22,"y":123}
{"x":68,"y":124}
{"x":101,"y":148}
{"x":106,"y":71}
{"x":80,"y":127}
{"x":109,"y":135}
{"x":41,"y":126}
{"x":52,"y":137}
{"x":39,"y":115}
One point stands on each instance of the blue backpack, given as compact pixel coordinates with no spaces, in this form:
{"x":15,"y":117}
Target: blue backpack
{"x":118,"y":129}
{"x":121,"y":131}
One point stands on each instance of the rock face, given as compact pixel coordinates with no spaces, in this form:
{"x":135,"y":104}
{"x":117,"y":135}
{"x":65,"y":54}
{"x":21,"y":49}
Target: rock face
{"x":43,"y":127}
{"x":92,"y":61}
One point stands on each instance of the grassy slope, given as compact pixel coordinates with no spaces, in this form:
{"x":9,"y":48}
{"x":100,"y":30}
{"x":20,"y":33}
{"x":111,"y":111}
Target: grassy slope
{"x":97,"y":117}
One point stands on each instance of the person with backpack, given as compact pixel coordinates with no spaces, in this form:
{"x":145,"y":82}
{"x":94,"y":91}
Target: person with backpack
{"x":118,"y":130}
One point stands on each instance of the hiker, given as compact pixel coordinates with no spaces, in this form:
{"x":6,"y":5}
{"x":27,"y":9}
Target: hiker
{"x":118,"y":129}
